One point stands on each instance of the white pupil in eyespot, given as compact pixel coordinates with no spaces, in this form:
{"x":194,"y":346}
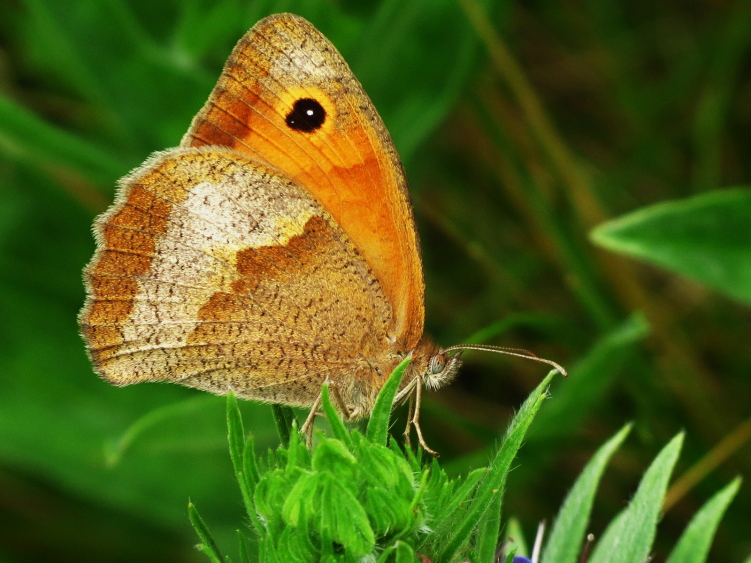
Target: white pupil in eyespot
{"x":309,"y":112}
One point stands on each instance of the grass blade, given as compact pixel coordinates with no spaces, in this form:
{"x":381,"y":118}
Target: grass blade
{"x":495,"y":477}
{"x":461,"y":494}
{"x":567,"y":534}
{"x":207,"y":545}
{"x":171,"y":413}
{"x":697,"y":538}
{"x":629,"y":537}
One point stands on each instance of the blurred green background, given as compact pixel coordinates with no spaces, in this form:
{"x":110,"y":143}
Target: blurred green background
{"x":522,"y":125}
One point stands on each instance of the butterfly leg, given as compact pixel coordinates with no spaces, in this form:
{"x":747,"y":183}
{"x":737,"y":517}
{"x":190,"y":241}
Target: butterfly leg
{"x":410,"y":416}
{"x":307,"y":427}
{"x":348,"y":413}
{"x":414,"y":420}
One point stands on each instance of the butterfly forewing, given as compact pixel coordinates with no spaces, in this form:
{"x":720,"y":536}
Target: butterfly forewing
{"x":287,"y":98}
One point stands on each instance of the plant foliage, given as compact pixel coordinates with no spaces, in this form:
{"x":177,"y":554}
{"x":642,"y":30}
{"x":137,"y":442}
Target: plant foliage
{"x":360,"y":497}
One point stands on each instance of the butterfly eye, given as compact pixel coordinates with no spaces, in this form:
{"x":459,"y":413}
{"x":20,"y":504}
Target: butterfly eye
{"x":437,"y":363}
{"x":307,"y":115}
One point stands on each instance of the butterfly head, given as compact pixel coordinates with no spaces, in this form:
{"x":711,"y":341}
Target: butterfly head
{"x":434,"y":366}
{"x":442,"y":368}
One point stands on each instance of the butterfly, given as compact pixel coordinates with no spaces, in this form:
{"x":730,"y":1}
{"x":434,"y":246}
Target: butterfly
{"x":274,"y":250}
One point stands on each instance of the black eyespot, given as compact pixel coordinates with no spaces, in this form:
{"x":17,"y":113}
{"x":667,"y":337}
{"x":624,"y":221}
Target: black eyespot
{"x":307,"y":115}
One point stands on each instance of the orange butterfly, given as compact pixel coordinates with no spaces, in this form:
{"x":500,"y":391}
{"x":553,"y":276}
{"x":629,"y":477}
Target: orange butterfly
{"x":273,"y":250}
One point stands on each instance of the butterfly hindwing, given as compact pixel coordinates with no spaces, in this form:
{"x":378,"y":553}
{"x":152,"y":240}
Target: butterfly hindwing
{"x":219,"y":273}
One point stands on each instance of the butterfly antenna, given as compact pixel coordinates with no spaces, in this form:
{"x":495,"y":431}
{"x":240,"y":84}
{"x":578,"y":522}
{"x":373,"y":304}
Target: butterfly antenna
{"x":519,"y":352}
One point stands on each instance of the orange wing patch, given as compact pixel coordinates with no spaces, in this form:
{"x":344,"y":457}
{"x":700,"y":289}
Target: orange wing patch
{"x":287,"y":98}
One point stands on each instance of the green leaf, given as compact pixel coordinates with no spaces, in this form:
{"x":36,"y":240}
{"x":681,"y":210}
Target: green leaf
{"x":243,"y":458}
{"x":468,"y":484}
{"x":271,"y":494}
{"x":567,"y":535}
{"x":235,"y":432}
{"x":250,"y":466}
{"x":297,"y":457}
{"x":388,"y":490}
{"x":420,"y":491}
{"x":706,"y":238}
{"x":610,"y":536}
{"x":402,"y":552}
{"x":514,"y":539}
{"x":343,"y":518}
{"x":486,"y":537}
{"x":242,"y":548}
{"x":629,"y":537}
{"x":378,"y":425}
{"x":293,"y":510}
{"x":208,"y":545}
{"x":335,"y":421}
{"x":332,"y":456}
{"x":693,"y":546}
{"x":293,"y":544}
{"x":494,"y":480}
{"x":284,"y":417}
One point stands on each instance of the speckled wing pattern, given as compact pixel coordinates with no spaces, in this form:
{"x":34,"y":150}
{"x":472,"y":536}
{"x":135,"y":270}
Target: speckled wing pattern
{"x":217,"y":272}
